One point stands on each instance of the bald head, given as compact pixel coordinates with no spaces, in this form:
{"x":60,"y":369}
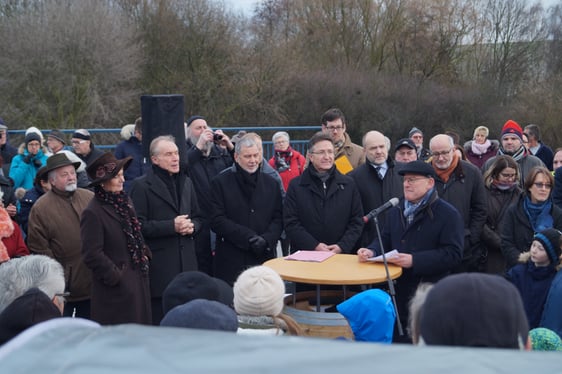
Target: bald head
{"x":376,"y":146}
{"x":441,"y":147}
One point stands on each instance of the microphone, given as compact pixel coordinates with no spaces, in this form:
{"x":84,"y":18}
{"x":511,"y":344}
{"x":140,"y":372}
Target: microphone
{"x":384,"y":207}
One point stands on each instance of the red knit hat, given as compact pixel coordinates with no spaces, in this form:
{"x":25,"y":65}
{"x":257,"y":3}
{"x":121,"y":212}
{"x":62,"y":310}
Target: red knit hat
{"x":512,"y":128}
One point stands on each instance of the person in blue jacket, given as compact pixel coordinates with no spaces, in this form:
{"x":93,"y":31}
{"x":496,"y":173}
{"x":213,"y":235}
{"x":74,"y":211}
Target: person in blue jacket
{"x":25,"y":165}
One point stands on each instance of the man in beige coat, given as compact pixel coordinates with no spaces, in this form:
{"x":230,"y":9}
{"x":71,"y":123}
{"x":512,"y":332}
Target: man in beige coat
{"x":54,"y":230}
{"x":348,"y":155}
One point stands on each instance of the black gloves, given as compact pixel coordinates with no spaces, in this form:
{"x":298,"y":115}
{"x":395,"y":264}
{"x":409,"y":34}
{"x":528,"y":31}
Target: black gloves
{"x":27,"y":159}
{"x":37,"y":163}
{"x":258,"y":245}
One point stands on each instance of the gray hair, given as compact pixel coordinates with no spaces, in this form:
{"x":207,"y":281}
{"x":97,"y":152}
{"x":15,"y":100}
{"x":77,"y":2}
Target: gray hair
{"x":20,"y":274}
{"x":155,"y":143}
{"x":245,"y":142}
{"x":280,"y":134}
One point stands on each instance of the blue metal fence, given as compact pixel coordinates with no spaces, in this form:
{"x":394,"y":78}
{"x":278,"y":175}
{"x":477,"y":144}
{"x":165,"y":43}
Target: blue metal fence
{"x":108,"y":138}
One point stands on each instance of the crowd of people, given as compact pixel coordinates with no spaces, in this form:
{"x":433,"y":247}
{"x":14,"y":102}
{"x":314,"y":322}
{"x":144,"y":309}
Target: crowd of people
{"x":165,"y":242}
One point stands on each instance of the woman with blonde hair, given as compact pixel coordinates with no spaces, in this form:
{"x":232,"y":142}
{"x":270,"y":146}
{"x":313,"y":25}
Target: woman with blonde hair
{"x":480,"y":148}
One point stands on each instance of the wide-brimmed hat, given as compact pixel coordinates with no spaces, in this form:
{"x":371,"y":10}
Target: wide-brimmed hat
{"x":106,"y":167}
{"x":58,"y":161}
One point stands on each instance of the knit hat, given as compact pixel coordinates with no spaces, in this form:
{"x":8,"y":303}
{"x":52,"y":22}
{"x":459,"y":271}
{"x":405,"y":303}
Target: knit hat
{"x":191,"y":285}
{"x":31,"y":308}
{"x":259,"y":291}
{"x":31,"y":137}
{"x":202,"y":314}
{"x":550,"y":240}
{"x":82,"y":134}
{"x":193,"y":118}
{"x":58,"y":135}
{"x":474,"y":310}
{"x":543,"y":339}
{"x":35,"y":130}
{"x":512,"y":128}
{"x":370,"y":315}
{"x":413,"y":131}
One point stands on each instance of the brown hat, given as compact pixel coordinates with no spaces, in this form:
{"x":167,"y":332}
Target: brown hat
{"x":58,"y":161}
{"x":106,"y":167}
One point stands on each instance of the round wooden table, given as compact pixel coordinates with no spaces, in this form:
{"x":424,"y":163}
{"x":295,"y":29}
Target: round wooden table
{"x":340,"y":269}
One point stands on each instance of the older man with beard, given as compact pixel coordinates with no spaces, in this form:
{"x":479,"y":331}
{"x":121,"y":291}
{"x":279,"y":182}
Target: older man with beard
{"x":54,"y":230}
{"x":247,"y":213}
{"x":207,"y":156}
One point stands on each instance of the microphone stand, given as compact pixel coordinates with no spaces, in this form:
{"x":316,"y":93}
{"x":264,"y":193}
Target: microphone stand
{"x":388,"y":280}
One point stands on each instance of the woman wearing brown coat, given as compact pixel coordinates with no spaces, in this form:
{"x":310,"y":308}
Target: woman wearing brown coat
{"x":114,"y":249}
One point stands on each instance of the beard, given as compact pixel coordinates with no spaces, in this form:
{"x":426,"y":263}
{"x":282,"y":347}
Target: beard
{"x":208,"y":146}
{"x":71,"y":187}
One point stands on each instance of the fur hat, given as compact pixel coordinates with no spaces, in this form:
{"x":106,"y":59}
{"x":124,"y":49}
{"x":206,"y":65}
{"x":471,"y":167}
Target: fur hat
{"x":550,"y":240}
{"x":512,"y":128}
{"x":82,"y":134}
{"x":191,"y":285}
{"x":413,"y":131}
{"x":474,"y":310}
{"x":202,"y":314}
{"x":259,"y":291}
{"x":106,"y":167}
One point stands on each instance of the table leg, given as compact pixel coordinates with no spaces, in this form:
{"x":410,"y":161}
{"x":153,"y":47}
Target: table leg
{"x":318,"y":298}
{"x":344,"y":293}
{"x":294,"y":293}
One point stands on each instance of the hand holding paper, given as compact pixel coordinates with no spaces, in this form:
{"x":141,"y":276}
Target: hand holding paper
{"x":389,"y":255}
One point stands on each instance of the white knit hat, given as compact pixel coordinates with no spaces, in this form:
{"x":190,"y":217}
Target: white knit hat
{"x":259,"y":291}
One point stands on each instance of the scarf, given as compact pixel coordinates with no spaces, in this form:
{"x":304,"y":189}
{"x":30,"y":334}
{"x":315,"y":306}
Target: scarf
{"x":518,"y":155}
{"x":411,"y":208}
{"x":248,"y":182}
{"x":505,"y":186}
{"x":480,"y":149}
{"x":129,"y":224}
{"x":445,"y":174}
{"x":538,"y":214}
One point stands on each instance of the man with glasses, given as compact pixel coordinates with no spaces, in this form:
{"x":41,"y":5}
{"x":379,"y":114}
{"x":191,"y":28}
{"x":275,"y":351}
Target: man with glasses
{"x":512,"y":145}
{"x":427,"y":232}
{"x":416,"y":135}
{"x":84,"y":147}
{"x":322,"y":210}
{"x":347,"y":154}
{"x":461,"y":184}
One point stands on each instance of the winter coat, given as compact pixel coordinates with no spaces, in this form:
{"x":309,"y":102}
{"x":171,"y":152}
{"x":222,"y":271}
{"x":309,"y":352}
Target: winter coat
{"x":546,"y":155}
{"x":26,"y":203}
{"x":557,"y":189}
{"x":295,"y":167}
{"x":375,"y":192}
{"x":236,"y":218}
{"x":172,"y":253}
{"x":434,"y":239}
{"x":352,"y":151}
{"x":120,"y":291}
{"x":498,"y":202}
{"x":23,"y":172}
{"x":465,"y":191}
{"x":479,"y":160}
{"x":92,"y":155}
{"x":551,"y":314}
{"x":517,"y":233}
{"x":131,"y":147}
{"x":533,"y":284}
{"x":54,"y":231}
{"x":14,"y":243}
{"x":329,"y":214}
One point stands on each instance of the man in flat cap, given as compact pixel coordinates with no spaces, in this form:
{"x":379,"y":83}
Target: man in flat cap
{"x":54,"y":230}
{"x":427,"y":232}
{"x":416,"y":135}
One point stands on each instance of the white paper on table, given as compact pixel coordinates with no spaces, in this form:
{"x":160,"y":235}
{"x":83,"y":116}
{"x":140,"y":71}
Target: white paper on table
{"x":388,"y":255}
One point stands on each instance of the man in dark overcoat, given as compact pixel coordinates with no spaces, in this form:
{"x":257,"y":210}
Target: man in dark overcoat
{"x":167,"y":208}
{"x":246,"y":213}
{"x":322,"y":210}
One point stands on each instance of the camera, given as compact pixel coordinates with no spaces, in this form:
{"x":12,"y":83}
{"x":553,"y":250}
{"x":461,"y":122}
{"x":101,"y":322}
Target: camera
{"x":217,"y":137}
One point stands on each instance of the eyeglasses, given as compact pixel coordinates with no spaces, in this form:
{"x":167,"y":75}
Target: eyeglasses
{"x":508,"y":176}
{"x":76,"y":142}
{"x":411,"y":180}
{"x":548,"y":186}
{"x":328,"y":152}
{"x":442,"y":153}
{"x":334,"y":128}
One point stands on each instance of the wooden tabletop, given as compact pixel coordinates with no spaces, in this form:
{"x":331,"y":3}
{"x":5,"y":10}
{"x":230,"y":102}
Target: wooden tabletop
{"x":339,"y":269}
